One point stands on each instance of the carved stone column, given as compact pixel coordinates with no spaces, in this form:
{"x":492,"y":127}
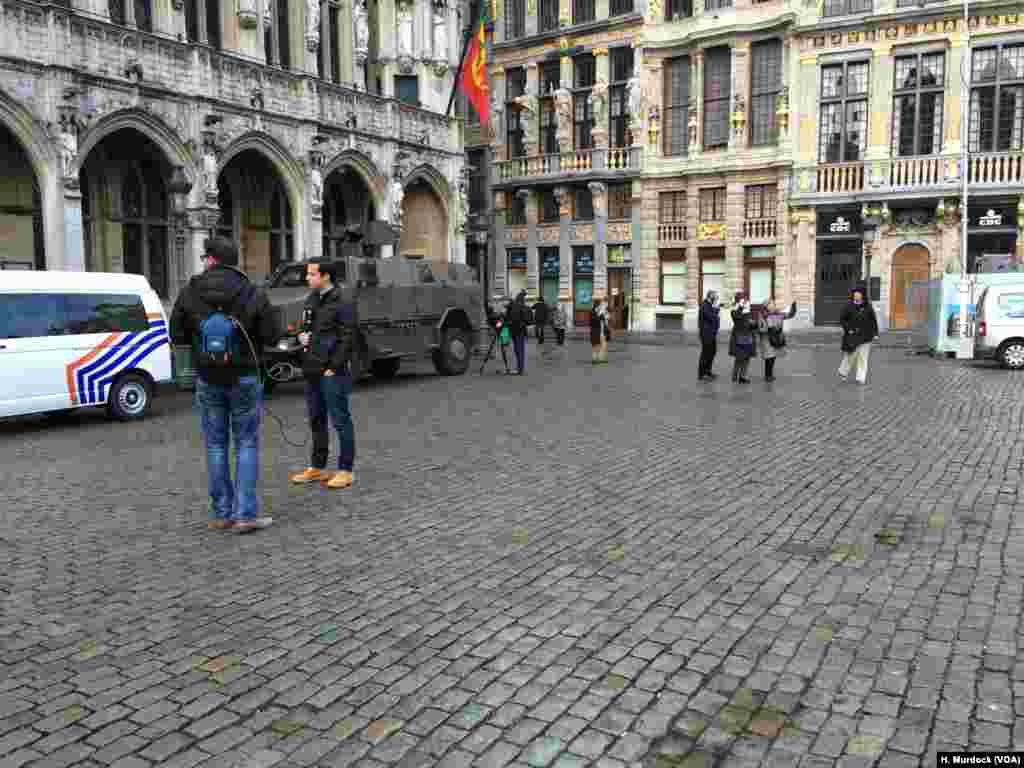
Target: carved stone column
{"x":599,"y":99}
{"x":653,"y":90}
{"x":695,"y":122}
{"x":316,"y":198}
{"x":529,"y":197}
{"x":740,"y":117}
{"x":598,"y":193}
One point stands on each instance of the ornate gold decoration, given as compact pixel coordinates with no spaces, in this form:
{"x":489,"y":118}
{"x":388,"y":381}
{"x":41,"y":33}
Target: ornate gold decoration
{"x":600,"y":51}
{"x":711,"y":231}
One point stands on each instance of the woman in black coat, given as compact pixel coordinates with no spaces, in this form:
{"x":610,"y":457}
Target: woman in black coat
{"x":742,"y":346}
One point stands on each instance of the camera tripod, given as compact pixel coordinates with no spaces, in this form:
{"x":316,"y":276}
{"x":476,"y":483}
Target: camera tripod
{"x":495,"y":332}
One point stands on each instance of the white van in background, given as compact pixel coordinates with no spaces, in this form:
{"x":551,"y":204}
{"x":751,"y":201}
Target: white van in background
{"x":999,"y":324}
{"x":80,"y":339}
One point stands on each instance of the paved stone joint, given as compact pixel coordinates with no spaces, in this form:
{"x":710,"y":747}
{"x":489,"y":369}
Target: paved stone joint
{"x":609,"y":566}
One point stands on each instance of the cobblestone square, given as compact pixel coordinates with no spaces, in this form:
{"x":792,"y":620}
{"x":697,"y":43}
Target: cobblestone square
{"x":586,"y":566}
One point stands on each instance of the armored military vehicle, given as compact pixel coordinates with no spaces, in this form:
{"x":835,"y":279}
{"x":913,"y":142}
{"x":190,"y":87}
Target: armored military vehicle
{"x":405,"y":309}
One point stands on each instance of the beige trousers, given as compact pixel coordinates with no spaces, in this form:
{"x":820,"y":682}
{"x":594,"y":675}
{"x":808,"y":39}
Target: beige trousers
{"x":599,"y":352}
{"x":856,"y":361}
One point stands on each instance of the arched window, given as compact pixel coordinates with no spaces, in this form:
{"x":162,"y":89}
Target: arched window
{"x":282,"y":233}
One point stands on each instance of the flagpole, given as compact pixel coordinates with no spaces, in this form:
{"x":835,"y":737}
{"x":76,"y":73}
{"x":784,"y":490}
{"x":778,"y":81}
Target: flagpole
{"x":458,"y":72}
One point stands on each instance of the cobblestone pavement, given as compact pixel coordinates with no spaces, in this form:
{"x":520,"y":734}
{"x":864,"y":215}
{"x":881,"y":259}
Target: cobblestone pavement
{"x":609,"y":566}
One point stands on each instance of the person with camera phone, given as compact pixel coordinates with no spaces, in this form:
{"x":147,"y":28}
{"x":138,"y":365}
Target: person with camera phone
{"x":328,"y":332}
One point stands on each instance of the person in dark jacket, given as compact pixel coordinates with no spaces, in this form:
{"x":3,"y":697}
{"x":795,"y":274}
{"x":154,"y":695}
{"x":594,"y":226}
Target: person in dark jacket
{"x":518,"y":319}
{"x":860,"y":327}
{"x":327,"y":340}
{"x":600,"y":332}
{"x":229,"y":398}
{"x":708,"y":322}
{"x":741,"y":341}
{"x":540,"y":319}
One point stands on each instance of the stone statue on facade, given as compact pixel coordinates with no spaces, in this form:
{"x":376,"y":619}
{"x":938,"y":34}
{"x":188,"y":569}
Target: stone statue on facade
{"x":210,"y":174}
{"x":597,"y":195}
{"x":361,"y":26}
{"x":440,"y":38}
{"x":599,"y":102}
{"x":68,"y":148}
{"x":397,"y":195}
{"x":634,"y":99}
{"x":316,"y":185}
{"x":563,"y":113}
{"x":461,"y":207}
{"x":312,"y":25}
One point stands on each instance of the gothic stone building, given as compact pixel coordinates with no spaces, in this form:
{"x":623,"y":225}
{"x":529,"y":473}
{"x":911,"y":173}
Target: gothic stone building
{"x":131,"y":131}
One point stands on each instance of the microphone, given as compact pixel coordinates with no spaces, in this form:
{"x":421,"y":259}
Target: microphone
{"x":307,"y":322}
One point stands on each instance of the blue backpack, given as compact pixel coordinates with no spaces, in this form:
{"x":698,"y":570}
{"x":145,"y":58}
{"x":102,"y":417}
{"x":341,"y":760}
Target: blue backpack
{"x":219,"y":342}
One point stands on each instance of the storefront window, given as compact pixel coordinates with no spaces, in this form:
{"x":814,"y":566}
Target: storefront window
{"x":712,"y":274}
{"x":760,"y":274}
{"x":673,"y":277}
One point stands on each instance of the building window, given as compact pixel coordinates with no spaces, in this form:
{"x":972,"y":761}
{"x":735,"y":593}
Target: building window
{"x":583,"y":120}
{"x":997,"y":99}
{"x":115,"y":8}
{"x":765,"y":86}
{"x":282,"y":35}
{"x":192,"y":21}
{"x":717,"y":5}
{"x":620,"y":7}
{"x":583,"y":11}
{"x":515,"y":19}
{"x":583,"y":205}
{"x":759,"y":274}
{"x":621,"y":60}
{"x":672,"y":207}
{"x":144,"y":15}
{"x":620,"y":201}
{"x":917,"y":104}
{"x":550,"y":80}
{"x":677,"y":105}
{"x":517,"y":213}
{"x":477,"y":181}
{"x":717,"y":96}
{"x":548,"y":206}
{"x":678,"y":9}
{"x":845,"y":7}
{"x":712,"y":271}
{"x":213,"y":23}
{"x":407,"y":89}
{"x":333,"y":47}
{"x":844,"y":112}
{"x":515,"y":86}
{"x":672,"y":285}
{"x":712,"y":204}
{"x":761,"y":201}
{"x":548,"y":20}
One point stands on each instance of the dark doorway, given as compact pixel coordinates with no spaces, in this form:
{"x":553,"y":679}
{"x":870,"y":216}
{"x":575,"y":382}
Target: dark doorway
{"x":838,"y":270}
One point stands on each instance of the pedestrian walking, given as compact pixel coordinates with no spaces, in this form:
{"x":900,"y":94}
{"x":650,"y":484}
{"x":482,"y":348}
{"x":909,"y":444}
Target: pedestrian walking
{"x":227,"y":321}
{"x":540,"y":319}
{"x":860,"y":327}
{"x":771,"y":338}
{"x":502,"y":338}
{"x":741,"y":341}
{"x":600,"y":332}
{"x":559,"y":322}
{"x":518,"y":319}
{"x":708,"y":322}
{"x":327,"y":341}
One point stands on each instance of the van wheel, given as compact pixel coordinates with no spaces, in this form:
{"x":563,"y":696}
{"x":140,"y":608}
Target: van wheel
{"x":452,"y":359}
{"x":386,"y":368}
{"x":1012,"y":355}
{"x":130,"y":398}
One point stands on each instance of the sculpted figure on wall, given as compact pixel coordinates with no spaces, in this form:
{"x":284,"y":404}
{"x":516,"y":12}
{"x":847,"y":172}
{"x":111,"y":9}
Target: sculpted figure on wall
{"x":440,"y":37}
{"x":397,"y":195}
{"x":68,"y":149}
{"x":312,"y":25}
{"x":563,"y":112}
{"x":362,"y":26}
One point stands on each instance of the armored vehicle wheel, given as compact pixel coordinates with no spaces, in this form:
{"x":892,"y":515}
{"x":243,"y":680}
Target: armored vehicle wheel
{"x":385,"y":369}
{"x":452,"y":359}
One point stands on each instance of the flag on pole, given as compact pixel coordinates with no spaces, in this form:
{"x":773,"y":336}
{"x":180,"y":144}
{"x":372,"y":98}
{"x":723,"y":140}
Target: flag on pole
{"x":474,"y":74}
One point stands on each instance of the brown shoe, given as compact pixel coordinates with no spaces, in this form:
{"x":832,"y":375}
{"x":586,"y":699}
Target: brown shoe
{"x":219,"y":525}
{"x":342,"y":479}
{"x":309,"y":475}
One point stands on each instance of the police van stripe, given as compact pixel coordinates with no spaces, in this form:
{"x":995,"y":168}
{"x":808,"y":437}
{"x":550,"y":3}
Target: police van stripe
{"x":114,"y":354}
{"x":117,"y":360}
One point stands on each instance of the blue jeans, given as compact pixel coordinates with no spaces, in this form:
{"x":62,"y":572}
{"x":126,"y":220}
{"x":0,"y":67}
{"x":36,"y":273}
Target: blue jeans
{"x":519,"y":345}
{"x":329,"y":395}
{"x":227,"y":410}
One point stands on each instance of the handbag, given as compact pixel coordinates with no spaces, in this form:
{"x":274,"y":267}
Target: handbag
{"x":776,"y":338}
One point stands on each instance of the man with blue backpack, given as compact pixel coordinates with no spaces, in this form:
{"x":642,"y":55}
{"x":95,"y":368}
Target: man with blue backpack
{"x":227,"y":321}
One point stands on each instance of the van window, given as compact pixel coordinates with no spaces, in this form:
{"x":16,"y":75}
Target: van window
{"x":104,"y":313}
{"x":28,"y":315}
{"x":1011,"y":305}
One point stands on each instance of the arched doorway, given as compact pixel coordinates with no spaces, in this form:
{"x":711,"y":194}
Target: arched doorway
{"x":22,"y":243}
{"x":347,"y":204}
{"x":256,"y":213}
{"x":424,"y":223}
{"x":125,"y":208}
{"x":909,"y":265}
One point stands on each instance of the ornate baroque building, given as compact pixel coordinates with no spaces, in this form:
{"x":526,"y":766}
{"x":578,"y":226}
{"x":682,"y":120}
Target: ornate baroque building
{"x":650,"y":153}
{"x":131,"y":131}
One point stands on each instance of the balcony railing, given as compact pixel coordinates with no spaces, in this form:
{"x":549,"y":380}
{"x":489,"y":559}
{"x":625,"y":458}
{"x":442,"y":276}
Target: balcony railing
{"x":577,"y":161}
{"x":1000,"y":168}
{"x":51,"y":35}
{"x":761,"y":229}
{"x":842,"y":177}
{"x":916,"y":172}
{"x":674,"y":232}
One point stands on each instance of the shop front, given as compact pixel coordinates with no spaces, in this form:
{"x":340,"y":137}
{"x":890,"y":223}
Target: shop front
{"x":620,"y":286}
{"x":549,"y":266}
{"x":516,"y":271}
{"x":840,"y":248}
{"x":582,"y":284}
{"x":991,"y":237}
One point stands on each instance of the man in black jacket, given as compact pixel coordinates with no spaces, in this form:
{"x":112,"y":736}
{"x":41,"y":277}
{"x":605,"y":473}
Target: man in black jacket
{"x":229,"y":395}
{"x":327,"y":340}
{"x":860,"y":327}
{"x":540,"y":319}
{"x":518,"y":319}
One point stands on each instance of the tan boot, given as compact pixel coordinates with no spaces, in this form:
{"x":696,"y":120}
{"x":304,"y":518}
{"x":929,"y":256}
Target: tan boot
{"x":341,"y":479}
{"x":309,"y":475}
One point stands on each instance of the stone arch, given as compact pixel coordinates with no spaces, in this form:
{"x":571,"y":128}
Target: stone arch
{"x":287,"y":166}
{"x":435,"y":179}
{"x":363,"y":165}
{"x":425,"y":201}
{"x":150,"y":126}
{"x":910,"y":261}
{"x":41,"y":152}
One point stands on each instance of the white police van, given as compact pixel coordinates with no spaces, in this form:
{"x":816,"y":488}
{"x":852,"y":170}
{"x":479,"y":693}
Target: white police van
{"x":78,"y":340}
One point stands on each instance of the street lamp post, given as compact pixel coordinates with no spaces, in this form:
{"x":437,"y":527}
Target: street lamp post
{"x":179,"y":187}
{"x":965,"y":349}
